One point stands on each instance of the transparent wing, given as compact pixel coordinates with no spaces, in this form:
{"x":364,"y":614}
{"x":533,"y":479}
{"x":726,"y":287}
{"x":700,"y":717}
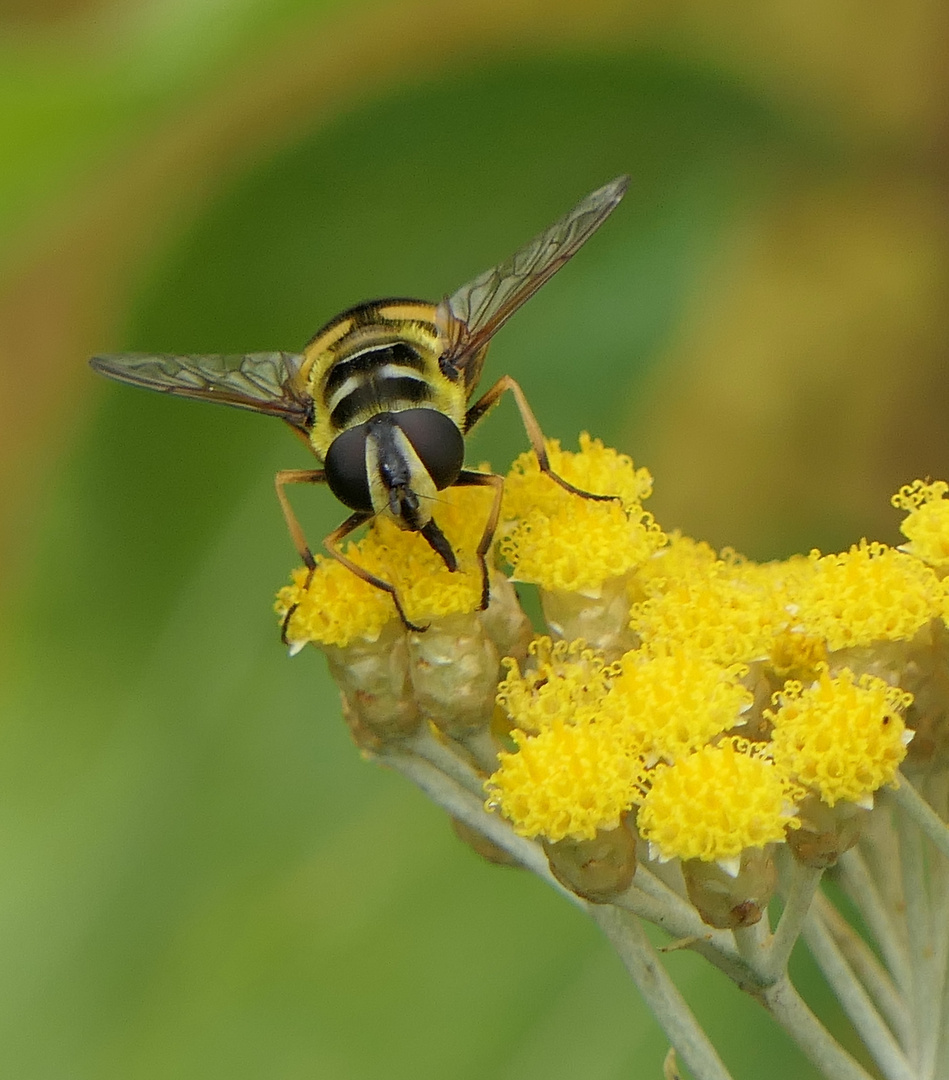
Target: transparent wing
{"x":262,"y":382}
{"x":482,"y":306}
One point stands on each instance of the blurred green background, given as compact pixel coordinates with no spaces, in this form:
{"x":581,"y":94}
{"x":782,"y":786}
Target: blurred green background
{"x":199,"y":877}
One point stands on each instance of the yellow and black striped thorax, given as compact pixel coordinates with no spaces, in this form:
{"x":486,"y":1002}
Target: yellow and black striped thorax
{"x":379,"y":357}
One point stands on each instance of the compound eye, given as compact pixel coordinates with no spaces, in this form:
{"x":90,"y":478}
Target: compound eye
{"x":345,"y":468}
{"x":437,"y":441}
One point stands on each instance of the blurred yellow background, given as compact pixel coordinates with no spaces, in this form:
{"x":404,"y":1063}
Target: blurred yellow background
{"x":198,"y":875}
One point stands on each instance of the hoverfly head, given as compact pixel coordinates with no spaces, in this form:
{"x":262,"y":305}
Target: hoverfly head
{"x":395,"y":463}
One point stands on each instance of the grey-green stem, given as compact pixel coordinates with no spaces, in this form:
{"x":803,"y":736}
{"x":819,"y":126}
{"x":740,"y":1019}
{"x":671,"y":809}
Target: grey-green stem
{"x":661,"y":994}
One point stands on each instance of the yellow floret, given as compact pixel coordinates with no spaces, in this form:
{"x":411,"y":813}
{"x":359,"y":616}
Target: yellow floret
{"x":681,"y":558}
{"x":571,"y":780}
{"x":564,"y":542}
{"x":713,"y":804}
{"x":842,"y":737}
{"x":729,"y":611}
{"x":794,"y":654}
{"x":565,"y":682}
{"x":670,"y":705}
{"x":426,"y":587}
{"x":340,"y":608}
{"x":868,"y":594}
{"x":926,"y":526}
{"x":595,"y":468}
{"x":580,"y":549}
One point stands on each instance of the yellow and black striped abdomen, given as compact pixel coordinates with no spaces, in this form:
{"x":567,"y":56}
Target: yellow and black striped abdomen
{"x":386,"y":378}
{"x":376,"y":358}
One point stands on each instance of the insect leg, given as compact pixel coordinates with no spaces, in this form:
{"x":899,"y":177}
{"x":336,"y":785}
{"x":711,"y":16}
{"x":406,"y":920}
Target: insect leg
{"x":477,"y":411}
{"x":296,"y":476}
{"x":466,"y":478}
{"x":352,"y":523}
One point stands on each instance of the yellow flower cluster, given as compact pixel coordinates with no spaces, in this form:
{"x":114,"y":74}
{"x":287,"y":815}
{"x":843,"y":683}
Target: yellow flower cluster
{"x":718,"y":635}
{"x":721,"y":692}
{"x":664,"y":722}
{"x":537,"y":787}
{"x":674,"y":703}
{"x":729,"y":610}
{"x":866,"y":595}
{"x":596,"y":468}
{"x":651,"y":717}
{"x":566,"y":679}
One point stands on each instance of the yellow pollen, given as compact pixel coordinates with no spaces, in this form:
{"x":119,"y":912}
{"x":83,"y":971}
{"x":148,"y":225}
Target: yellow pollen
{"x":681,"y":558}
{"x":595,"y":468}
{"x":727,"y":610}
{"x":794,"y":654}
{"x":340,"y":608}
{"x":564,"y":682}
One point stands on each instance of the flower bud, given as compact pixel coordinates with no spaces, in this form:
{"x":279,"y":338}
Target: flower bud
{"x":481,"y":845}
{"x":454,"y":671}
{"x":599,"y":869}
{"x":374,"y":679}
{"x":826,"y":832}
{"x":726,"y":901}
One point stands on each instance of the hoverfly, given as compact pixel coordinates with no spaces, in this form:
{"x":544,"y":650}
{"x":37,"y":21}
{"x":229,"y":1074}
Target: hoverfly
{"x":381,"y":393}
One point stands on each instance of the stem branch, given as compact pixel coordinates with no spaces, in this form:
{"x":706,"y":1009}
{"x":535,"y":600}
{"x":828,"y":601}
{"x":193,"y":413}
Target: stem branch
{"x":867,"y":968}
{"x":788,"y":1008}
{"x":804,"y":884}
{"x":856,"y":1003}
{"x":909,"y":800}
{"x":660,"y":992}
{"x":885,"y":926}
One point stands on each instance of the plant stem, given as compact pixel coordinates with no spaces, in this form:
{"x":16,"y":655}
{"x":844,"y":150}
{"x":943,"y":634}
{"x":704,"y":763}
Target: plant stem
{"x":752,"y":942}
{"x":856,"y":1003}
{"x":886,"y":928}
{"x":432,"y":749}
{"x":909,"y":800}
{"x":671,"y":914}
{"x":451,"y":796}
{"x":867,"y":969}
{"x":675,"y":915}
{"x":788,"y":1008}
{"x":804,"y":884}
{"x":454,"y":795}
{"x":925,"y":997}
{"x":660,"y":992}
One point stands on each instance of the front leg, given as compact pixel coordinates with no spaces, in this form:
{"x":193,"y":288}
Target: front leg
{"x":296,"y":476}
{"x":477,"y":412}
{"x":467,"y":478}
{"x":360,"y":517}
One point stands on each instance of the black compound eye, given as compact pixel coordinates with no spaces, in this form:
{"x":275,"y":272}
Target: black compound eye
{"x":437,"y":441}
{"x":345,"y":468}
